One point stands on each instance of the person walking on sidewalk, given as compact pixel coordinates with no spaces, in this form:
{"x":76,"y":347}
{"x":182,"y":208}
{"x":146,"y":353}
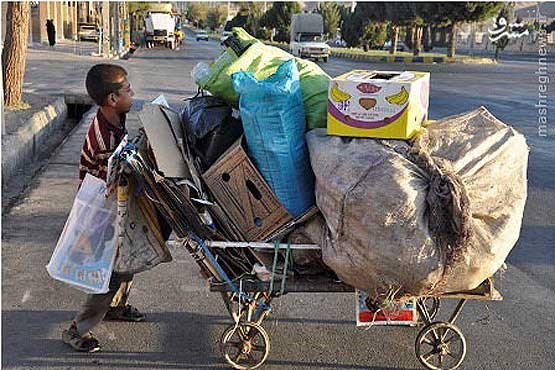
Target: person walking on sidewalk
{"x":51,"y":32}
{"x":108,"y":86}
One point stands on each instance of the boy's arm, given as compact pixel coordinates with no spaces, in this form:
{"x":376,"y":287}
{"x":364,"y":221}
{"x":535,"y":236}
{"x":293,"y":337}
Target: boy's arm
{"x":88,"y":163}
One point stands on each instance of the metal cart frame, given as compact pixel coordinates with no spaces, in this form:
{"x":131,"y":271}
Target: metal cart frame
{"x":245,"y":344}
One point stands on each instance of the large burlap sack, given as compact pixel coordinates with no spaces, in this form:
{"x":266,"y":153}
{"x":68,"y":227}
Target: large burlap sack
{"x":434,"y":216}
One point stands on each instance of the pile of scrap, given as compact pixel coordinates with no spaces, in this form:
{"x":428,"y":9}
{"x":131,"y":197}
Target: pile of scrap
{"x":399,"y":205}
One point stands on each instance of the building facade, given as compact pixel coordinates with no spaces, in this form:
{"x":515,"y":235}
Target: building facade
{"x":111,"y":17}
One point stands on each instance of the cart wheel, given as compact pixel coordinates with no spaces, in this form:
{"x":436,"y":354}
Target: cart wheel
{"x":440,"y":346}
{"x":431,"y":304}
{"x":245,"y":345}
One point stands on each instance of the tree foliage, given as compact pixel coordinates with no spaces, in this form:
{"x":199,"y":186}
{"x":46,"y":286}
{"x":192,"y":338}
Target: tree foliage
{"x":279,"y":17}
{"x":500,"y":44}
{"x":332,"y":17}
{"x":197,"y":12}
{"x":240,"y":19}
{"x":374,"y":35}
{"x":351,"y":27}
{"x":216,"y":16}
{"x":455,"y":13}
{"x":137,"y":7}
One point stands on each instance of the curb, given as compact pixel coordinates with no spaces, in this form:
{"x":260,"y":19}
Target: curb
{"x":394,"y":58}
{"x":21,"y":146}
{"x":397,"y":58}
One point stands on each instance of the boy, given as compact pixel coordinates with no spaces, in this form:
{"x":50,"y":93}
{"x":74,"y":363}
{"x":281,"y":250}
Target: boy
{"x":109,"y":88}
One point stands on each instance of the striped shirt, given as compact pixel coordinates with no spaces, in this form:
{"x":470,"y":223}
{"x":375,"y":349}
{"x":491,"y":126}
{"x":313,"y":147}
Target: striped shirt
{"x":101,"y":141}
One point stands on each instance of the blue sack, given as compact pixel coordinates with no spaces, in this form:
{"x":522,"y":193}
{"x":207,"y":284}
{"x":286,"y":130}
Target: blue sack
{"x":274,"y":123}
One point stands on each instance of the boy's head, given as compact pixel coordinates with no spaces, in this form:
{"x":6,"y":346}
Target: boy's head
{"x":107,"y":85}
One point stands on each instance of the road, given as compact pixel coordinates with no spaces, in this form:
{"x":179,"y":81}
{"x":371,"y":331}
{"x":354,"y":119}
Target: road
{"x":313,"y":331}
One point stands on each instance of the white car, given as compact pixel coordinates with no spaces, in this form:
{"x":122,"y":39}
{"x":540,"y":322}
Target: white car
{"x":88,"y":32}
{"x":202,"y":35}
{"x":401,"y":46}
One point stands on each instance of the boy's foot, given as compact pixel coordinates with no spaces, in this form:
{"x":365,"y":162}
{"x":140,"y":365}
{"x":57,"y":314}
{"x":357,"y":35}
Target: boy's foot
{"x":87,"y":343}
{"x":124,"y":313}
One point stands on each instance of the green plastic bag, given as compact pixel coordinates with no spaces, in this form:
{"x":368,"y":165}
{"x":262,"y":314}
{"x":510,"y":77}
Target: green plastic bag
{"x":263,"y":61}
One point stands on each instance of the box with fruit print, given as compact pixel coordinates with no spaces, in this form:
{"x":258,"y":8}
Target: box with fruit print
{"x":378,"y":104}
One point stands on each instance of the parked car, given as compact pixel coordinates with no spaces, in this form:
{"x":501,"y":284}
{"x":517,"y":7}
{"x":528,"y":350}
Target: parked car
{"x":202,"y":35}
{"x":225,"y":35}
{"x":337,"y":43}
{"x":401,"y":46}
{"x":88,"y":32}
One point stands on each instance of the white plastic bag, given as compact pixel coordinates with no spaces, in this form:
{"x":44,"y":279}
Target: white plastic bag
{"x":86,"y":250}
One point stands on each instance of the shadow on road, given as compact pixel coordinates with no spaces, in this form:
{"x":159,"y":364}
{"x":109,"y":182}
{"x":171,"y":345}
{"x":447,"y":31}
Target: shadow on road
{"x":186,"y":341}
{"x":30,"y":339}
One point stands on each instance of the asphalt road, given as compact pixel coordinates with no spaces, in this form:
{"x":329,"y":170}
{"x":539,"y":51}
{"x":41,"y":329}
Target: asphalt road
{"x":308,"y":331}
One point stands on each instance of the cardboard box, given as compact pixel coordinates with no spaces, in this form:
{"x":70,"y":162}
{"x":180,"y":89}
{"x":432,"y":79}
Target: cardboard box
{"x":378,"y":104}
{"x":244,"y":195}
{"x":403,"y":314}
{"x":163,"y":130}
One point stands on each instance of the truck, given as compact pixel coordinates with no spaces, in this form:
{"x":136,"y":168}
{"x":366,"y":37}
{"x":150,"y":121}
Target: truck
{"x":306,"y":39}
{"x":160,"y":29}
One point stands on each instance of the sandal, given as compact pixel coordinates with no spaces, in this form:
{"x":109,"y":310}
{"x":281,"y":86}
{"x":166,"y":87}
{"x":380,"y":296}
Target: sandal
{"x":125,"y":313}
{"x":87,"y":343}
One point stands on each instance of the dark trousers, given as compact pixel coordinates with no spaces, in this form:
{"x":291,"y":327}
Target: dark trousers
{"x":95,"y":307}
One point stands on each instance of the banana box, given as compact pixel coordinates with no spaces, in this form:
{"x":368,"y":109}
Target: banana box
{"x":378,"y":104}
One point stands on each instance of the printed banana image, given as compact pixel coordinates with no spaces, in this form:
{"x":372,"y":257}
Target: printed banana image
{"x":400,"y":98}
{"x":337,"y":95}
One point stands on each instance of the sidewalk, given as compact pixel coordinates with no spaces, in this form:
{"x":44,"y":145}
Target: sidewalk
{"x":36,"y":308}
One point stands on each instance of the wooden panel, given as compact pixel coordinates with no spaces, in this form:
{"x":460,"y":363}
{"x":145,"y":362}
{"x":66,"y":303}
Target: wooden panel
{"x":244,"y":195}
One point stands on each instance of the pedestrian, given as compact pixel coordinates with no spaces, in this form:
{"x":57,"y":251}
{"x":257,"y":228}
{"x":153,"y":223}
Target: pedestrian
{"x":51,"y":32}
{"x":144,"y":39}
{"x":109,"y":88}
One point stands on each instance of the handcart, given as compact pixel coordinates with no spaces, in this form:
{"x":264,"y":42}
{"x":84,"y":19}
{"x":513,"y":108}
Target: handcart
{"x":245,"y":344}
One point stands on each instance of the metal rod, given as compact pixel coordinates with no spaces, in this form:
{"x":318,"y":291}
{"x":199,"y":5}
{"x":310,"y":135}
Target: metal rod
{"x":257,"y":245}
{"x":457,"y":311}
{"x":423,"y":310}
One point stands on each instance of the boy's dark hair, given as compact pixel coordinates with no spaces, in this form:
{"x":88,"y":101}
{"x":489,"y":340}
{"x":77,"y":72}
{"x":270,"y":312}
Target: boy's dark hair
{"x":104,"y":79}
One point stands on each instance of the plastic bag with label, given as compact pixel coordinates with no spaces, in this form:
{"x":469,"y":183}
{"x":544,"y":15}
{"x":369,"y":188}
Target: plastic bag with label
{"x":85,"y":253}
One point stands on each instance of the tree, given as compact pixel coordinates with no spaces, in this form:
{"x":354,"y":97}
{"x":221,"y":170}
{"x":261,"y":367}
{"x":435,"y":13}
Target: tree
{"x":456,"y":13}
{"x":332,"y":17}
{"x":399,"y":15}
{"x":374,"y":35}
{"x":279,"y":17}
{"x":240,"y":19}
{"x":505,"y":12}
{"x":216,"y":16}
{"x":140,"y":8}
{"x":197,"y":12}
{"x":254,"y":22}
{"x":351,"y":26}
{"x":15,"y":52}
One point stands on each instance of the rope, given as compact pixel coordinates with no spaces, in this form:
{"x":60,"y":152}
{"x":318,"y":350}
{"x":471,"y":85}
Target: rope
{"x":284,"y":275}
{"x":449,"y":214}
{"x":274,"y":265}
